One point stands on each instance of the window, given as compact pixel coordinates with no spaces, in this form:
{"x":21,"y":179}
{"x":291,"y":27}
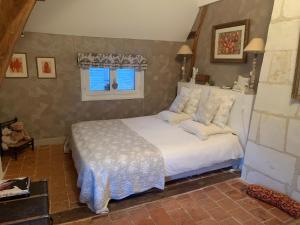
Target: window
{"x":108,"y":84}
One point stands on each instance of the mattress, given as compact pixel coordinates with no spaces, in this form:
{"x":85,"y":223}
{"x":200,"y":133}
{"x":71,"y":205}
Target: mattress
{"x":182,"y":151}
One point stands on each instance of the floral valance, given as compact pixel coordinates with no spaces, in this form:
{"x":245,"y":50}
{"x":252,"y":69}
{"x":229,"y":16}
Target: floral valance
{"x":113,"y":61}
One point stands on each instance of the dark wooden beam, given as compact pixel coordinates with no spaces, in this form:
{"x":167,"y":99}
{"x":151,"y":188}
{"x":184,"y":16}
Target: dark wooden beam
{"x":13,"y":17}
{"x":201,"y":18}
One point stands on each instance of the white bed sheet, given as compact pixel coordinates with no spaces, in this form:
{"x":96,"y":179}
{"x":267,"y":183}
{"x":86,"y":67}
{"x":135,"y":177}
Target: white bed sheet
{"x":182,"y":151}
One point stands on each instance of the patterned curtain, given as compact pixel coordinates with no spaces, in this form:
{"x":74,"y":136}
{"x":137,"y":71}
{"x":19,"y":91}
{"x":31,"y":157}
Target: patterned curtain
{"x":113,"y":61}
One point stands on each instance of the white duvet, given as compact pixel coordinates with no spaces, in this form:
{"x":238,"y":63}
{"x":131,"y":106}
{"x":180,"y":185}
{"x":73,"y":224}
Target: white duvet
{"x":182,"y":151}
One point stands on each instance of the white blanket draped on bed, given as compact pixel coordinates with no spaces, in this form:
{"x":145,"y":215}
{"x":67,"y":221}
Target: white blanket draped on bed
{"x":113,"y":162}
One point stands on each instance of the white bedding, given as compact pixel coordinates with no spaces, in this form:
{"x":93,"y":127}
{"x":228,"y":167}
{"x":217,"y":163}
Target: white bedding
{"x":182,"y":151}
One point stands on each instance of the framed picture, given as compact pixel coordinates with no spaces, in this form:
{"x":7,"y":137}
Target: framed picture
{"x":296,"y":83}
{"x":17,"y":67}
{"x":228,"y":42}
{"x":46,"y":67}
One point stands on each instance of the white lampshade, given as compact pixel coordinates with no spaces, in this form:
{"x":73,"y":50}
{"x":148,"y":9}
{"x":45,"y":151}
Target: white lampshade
{"x":185,"y":50}
{"x":256,"y":45}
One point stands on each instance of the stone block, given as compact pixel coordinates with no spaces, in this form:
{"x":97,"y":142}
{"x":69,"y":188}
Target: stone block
{"x":293,"y":137}
{"x":276,"y":99}
{"x":291,"y":9}
{"x":254,"y":126}
{"x":282,"y":67}
{"x":277,"y":9}
{"x":254,"y":177}
{"x":265,"y":67}
{"x":272,"y":131}
{"x":295,"y":195}
{"x":283,"y":35}
{"x":274,"y":164}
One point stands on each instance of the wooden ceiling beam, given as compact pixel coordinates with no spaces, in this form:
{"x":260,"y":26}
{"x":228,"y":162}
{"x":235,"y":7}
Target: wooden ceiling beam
{"x":13,"y":17}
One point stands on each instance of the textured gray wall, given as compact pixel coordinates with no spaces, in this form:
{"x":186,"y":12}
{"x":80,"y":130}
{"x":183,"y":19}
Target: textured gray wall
{"x":49,"y":106}
{"x":259,"y":13}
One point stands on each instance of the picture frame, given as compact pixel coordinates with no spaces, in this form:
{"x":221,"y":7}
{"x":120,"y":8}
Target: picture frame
{"x":17,"y":67}
{"x":296,"y":82}
{"x":46,"y":67}
{"x":228,"y":42}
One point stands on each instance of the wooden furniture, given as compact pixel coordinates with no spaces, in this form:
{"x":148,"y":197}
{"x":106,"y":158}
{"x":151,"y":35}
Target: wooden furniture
{"x":14,"y":148}
{"x":202,"y":79}
{"x":32,"y":210}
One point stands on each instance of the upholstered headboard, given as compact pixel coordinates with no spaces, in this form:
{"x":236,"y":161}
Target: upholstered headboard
{"x":241,"y":112}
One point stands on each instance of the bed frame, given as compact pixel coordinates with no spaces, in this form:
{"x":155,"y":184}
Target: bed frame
{"x":233,"y":164}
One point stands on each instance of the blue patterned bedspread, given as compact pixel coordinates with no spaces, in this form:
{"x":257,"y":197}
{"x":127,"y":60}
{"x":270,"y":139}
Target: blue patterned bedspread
{"x":113,"y":162}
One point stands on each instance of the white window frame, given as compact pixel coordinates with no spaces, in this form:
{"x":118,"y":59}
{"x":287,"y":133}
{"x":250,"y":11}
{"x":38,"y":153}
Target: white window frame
{"x":112,"y":94}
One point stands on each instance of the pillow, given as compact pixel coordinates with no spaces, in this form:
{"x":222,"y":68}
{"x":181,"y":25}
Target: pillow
{"x":222,"y":116}
{"x":207,"y":110}
{"x":180,"y":100}
{"x":193,"y":102}
{"x":172,"y":117}
{"x":202,"y":131}
{"x":274,"y":198}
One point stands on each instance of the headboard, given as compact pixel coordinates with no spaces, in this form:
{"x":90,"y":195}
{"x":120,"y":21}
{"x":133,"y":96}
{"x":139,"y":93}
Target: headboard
{"x":241,"y":112}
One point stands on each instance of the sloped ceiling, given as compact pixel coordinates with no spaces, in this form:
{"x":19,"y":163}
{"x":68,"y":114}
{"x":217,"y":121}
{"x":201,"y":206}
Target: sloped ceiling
{"x":169,"y":20}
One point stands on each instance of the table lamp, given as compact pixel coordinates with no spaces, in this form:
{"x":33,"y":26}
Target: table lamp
{"x":185,"y":51}
{"x":256,"y":46}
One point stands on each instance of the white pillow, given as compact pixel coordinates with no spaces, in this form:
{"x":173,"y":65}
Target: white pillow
{"x":172,"y":117}
{"x":193,"y":102}
{"x":223,"y":113}
{"x":207,"y":110}
{"x":202,"y":131}
{"x":180,"y":100}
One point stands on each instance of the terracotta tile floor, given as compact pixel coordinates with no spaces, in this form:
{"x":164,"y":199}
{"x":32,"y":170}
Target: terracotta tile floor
{"x":223,"y":203}
{"x":49,"y":162}
{"x":220,"y":204}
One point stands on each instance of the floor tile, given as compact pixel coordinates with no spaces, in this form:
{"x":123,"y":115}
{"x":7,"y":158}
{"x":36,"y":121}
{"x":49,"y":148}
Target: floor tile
{"x":160,"y":217}
{"x":228,"y":204}
{"x":261,"y":214}
{"x":222,"y":203}
{"x":280,"y":215}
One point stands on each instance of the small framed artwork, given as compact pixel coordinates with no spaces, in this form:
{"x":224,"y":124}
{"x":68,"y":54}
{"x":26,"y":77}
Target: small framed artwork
{"x":228,"y":42}
{"x":296,"y":83}
{"x":17,"y":67}
{"x":46,"y":67}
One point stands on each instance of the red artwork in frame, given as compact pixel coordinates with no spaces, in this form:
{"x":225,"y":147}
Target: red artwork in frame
{"x":17,"y":67}
{"x":46,"y":67}
{"x":228,"y":42}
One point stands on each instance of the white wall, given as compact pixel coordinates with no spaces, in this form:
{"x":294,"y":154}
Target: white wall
{"x":273,"y":150}
{"x":169,"y":20}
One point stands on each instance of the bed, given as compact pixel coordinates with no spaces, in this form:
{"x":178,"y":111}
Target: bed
{"x":117,"y":158}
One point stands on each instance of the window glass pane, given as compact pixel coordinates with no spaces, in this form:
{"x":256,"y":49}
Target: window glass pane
{"x":126,"y":79}
{"x":99,"y":79}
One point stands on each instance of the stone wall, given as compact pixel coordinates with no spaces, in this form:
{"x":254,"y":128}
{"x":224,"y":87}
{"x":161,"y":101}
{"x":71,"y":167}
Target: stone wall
{"x":273,"y":149}
{"x":49,"y":106}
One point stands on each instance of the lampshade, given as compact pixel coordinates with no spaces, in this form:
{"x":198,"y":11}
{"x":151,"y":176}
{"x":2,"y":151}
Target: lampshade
{"x":256,"y":45}
{"x":185,"y":50}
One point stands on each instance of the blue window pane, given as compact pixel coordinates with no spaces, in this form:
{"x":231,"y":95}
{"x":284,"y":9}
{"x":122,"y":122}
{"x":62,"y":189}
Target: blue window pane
{"x":99,"y":79}
{"x":125,"y":79}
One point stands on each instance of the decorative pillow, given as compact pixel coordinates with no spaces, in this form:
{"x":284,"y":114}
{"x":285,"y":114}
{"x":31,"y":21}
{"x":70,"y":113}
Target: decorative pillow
{"x":180,"y":100}
{"x":193,"y":102}
{"x":202,"y":131}
{"x":207,"y":110}
{"x":223,"y":113}
{"x":172,"y":117}
{"x":276,"y":199}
